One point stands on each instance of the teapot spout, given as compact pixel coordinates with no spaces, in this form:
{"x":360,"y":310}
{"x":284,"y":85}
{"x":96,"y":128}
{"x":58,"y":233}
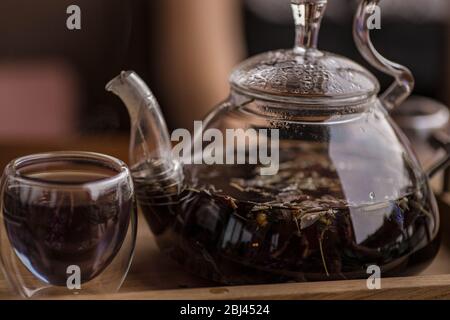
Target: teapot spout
{"x":149,"y":135}
{"x":158,"y":178}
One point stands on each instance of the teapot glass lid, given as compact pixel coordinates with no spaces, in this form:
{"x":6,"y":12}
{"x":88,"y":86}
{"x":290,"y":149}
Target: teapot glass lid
{"x":305,"y":74}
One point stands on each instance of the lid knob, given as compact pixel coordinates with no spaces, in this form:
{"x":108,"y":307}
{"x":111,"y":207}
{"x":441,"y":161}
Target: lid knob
{"x":308,"y":16}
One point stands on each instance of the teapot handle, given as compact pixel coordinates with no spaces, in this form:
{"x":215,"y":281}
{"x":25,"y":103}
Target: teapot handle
{"x":403,"y":86}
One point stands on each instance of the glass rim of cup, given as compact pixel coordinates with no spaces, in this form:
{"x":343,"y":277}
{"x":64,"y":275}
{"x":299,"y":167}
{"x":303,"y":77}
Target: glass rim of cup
{"x":118,"y":166}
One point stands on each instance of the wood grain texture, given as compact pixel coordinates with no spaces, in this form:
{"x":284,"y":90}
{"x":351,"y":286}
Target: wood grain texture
{"x":420,"y":287}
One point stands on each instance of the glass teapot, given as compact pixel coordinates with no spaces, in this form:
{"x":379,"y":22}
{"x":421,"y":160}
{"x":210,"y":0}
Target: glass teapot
{"x":343,"y":190}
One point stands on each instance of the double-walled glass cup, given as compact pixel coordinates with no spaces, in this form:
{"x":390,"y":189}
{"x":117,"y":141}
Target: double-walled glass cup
{"x":67,"y":223}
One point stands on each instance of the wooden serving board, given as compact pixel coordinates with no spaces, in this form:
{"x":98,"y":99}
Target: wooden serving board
{"x":154,"y":276}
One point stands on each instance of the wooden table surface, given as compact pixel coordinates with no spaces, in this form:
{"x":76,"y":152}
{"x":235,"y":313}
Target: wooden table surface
{"x":153,"y":276}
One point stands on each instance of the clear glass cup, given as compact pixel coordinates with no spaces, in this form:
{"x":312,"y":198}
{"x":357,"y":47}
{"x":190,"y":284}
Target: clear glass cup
{"x":67,"y":223}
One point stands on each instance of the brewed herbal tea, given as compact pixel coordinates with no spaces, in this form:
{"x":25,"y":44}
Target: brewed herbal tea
{"x":239,"y":227}
{"x":51,"y":230}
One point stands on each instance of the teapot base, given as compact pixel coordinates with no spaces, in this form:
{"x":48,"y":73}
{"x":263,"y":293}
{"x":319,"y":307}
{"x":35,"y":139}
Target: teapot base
{"x":210,"y":239}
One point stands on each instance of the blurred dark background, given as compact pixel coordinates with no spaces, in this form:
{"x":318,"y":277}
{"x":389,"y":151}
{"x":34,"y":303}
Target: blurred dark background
{"x":52,"y":79}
